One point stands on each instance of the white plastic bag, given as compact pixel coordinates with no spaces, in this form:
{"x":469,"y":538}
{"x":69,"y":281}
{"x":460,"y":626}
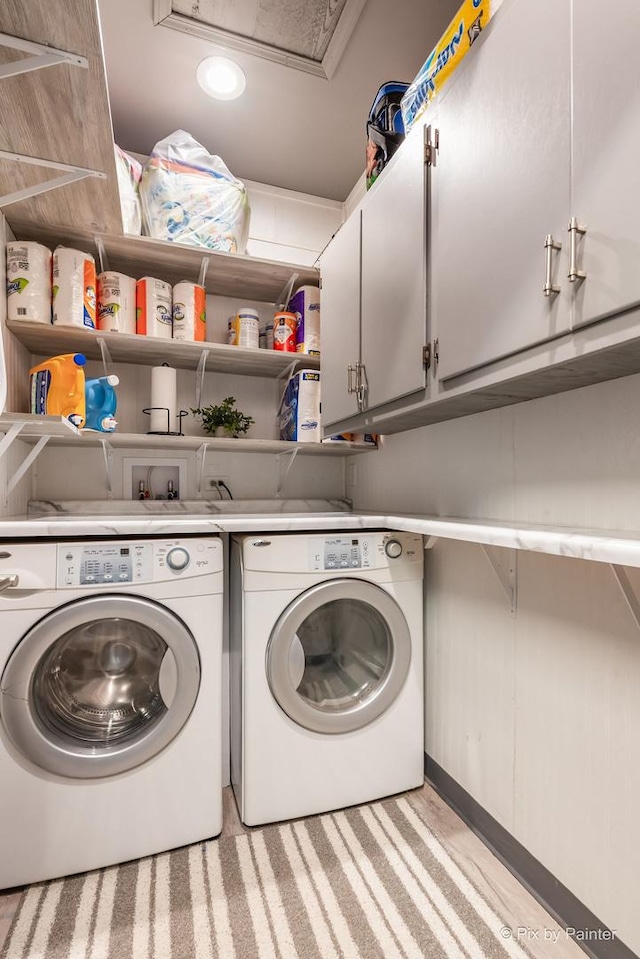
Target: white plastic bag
{"x":191,"y":197}
{"x":129,"y":173}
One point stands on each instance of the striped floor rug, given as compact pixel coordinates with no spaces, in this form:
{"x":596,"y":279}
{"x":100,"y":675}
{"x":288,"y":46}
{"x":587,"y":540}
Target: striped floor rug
{"x":371,"y":882}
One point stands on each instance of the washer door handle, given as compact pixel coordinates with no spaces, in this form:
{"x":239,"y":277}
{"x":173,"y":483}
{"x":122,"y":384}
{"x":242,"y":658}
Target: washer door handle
{"x":9,"y":582}
{"x":297,"y":662}
{"x":168,"y":678}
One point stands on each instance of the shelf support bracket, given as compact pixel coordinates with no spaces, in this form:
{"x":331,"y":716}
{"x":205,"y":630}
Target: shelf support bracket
{"x":102,"y":254}
{"x":627,"y":591}
{"x":504,"y":563}
{"x":41,"y":56}
{"x":428,"y":542}
{"x":285,"y":293}
{"x":70,"y":175}
{"x":202,"y":367}
{"x":202,"y":276}
{"x":9,"y":437}
{"x":289,"y":459}
{"x":26,"y":463}
{"x":107,"y":452}
{"x":107,"y":362}
{"x":201,"y":457}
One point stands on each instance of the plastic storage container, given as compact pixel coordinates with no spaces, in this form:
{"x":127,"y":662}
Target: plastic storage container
{"x":101,"y":404}
{"x":58,"y":387}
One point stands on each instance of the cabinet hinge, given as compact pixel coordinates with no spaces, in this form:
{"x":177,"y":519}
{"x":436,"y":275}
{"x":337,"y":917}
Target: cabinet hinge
{"x":426,"y":356}
{"x":436,"y":352}
{"x":431,"y":147}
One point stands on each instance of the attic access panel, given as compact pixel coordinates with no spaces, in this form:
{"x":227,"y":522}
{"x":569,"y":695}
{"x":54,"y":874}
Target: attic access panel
{"x":308,"y":35}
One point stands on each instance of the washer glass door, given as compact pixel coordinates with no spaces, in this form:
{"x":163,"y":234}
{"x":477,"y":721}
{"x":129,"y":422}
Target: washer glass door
{"x":338,"y":656}
{"x":99,"y":686}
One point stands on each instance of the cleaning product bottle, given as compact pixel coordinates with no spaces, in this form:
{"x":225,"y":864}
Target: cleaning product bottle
{"x":101,"y":401}
{"x":57,"y":387}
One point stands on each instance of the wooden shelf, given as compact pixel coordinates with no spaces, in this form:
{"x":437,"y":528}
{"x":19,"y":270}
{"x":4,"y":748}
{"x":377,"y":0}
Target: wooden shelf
{"x":228,"y":274}
{"x":34,"y":427}
{"x":191,"y":443}
{"x":61,"y":114}
{"x":48,"y":340}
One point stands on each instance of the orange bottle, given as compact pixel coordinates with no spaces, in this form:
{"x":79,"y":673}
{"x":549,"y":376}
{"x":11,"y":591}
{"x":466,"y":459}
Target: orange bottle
{"x":58,"y":388}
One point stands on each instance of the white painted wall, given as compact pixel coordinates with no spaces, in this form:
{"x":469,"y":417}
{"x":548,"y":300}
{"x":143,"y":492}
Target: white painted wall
{"x":536,"y":715}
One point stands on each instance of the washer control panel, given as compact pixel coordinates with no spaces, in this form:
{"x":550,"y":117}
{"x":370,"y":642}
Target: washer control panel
{"x":119,"y":563}
{"x":365,"y":551}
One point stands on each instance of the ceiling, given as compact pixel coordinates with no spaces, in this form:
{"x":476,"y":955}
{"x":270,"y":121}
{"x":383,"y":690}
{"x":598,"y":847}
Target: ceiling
{"x":290,"y":128}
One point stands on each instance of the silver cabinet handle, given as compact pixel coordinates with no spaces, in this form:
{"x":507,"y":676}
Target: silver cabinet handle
{"x":363,"y":386}
{"x":9,"y":582}
{"x":575,"y":230}
{"x":352,"y":378}
{"x":550,"y":246}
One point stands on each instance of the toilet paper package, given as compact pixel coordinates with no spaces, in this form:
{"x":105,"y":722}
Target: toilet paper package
{"x":154,"y":308}
{"x":116,"y":303}
{"x":305,"y":303}
{"x":189,"y":312}
{"x":74,"y":288}
{"x":28,"y":282}
{"x":300,"y":408}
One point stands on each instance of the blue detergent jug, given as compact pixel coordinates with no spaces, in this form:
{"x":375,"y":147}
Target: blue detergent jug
{"x":101,"y":403}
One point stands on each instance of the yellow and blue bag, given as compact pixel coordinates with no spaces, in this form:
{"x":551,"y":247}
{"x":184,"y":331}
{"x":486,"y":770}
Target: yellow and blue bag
{"x":446,"y":56}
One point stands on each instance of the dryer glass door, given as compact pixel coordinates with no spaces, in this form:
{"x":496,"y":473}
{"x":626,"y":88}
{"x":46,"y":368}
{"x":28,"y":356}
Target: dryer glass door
{"x":338,"y":656}
{"x":99,"y":686}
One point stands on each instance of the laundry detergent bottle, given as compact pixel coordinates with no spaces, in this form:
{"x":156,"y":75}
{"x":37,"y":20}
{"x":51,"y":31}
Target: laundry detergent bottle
{"x":101,"y":402}
{"x":57,"y":387}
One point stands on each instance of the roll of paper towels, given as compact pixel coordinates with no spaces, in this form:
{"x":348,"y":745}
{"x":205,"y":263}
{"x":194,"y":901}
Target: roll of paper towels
{"x":164,"y":395}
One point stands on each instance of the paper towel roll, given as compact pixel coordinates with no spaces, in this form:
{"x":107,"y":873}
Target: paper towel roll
{"x":74,"y":288}
{"x":163,"y":394}
{"x":116,"y":303}
{"x":28,"y":282}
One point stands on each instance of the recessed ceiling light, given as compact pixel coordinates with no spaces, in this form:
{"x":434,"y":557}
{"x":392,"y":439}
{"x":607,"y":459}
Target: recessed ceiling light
{"x":221,"y":78}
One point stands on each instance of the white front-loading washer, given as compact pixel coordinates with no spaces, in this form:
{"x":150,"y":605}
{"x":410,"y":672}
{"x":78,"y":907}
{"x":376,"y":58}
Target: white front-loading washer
{"x":326,"y":671}
{"x":110,"y":702}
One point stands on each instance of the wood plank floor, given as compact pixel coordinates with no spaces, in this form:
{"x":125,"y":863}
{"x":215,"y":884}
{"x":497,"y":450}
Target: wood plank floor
{"x":501,"y":890}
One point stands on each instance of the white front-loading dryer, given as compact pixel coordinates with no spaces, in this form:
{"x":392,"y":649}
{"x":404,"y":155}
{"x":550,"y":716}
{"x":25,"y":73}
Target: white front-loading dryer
{"x":326,"y":671}
{"x":110,"y":702}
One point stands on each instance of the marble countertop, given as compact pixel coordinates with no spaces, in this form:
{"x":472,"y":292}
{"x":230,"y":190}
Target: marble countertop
{"x":618,"y":547}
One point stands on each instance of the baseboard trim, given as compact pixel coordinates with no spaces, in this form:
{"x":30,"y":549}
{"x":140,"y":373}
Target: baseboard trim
{"x":559,"y":901}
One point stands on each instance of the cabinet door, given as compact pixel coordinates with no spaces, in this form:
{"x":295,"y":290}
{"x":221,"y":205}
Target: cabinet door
{"x":606,"y":147}
{"x":340,"y":319}
{"x":501,"y":185}
{"x":393,"y":277}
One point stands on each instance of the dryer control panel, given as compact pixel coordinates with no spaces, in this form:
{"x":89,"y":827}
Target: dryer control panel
{"x":118,"y":563}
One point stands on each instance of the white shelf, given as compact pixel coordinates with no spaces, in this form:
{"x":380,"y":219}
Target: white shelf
{"x":37,"y":429}
{"x":212,"y":443}
{"x":48,"y":340}
{"x":34,"y":427}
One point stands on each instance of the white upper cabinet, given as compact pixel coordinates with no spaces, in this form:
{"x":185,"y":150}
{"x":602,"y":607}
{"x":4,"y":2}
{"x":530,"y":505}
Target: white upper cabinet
{"x":606,"y":148}
{"x":340,"y":310}
{"x":502,"y":184}
{"x":393,"y":277}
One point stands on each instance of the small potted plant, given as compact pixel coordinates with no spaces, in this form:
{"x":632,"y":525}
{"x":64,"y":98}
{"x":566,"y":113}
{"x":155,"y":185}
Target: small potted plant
{"x":225,"y":418}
